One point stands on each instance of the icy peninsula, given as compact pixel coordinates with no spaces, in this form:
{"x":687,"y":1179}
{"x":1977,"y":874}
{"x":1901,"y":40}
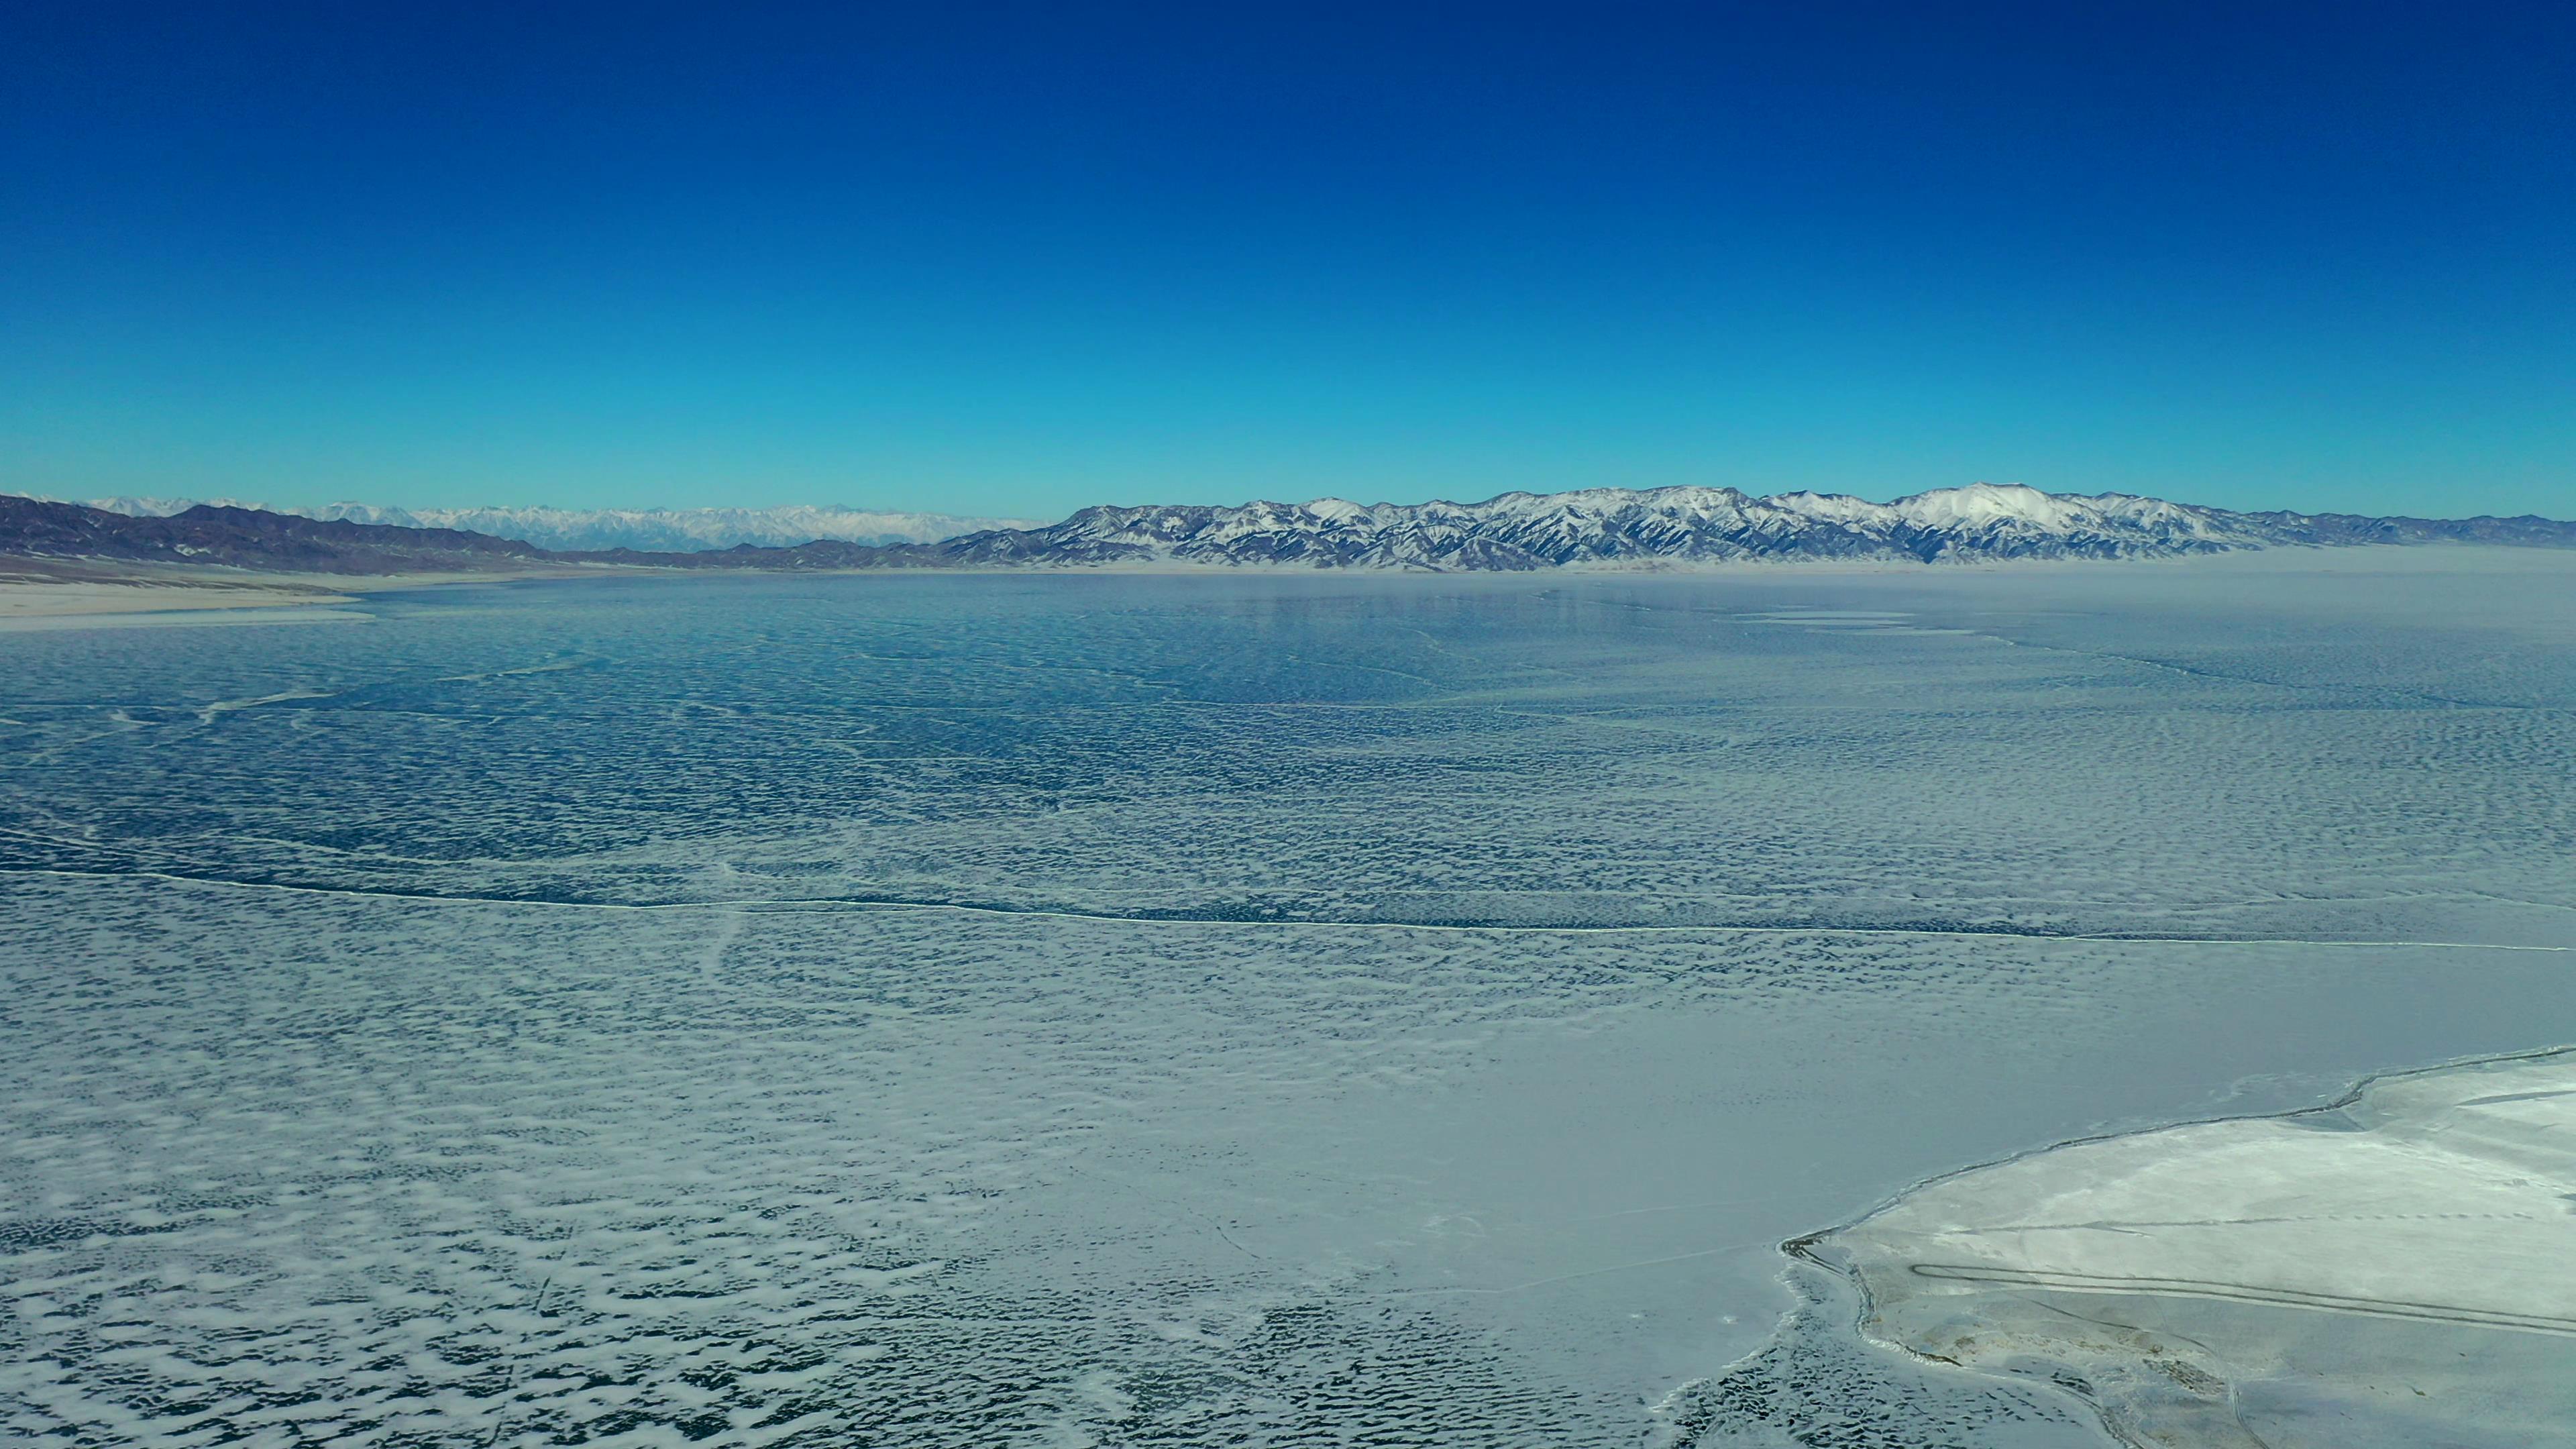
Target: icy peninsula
{"x":1853,"y":1007}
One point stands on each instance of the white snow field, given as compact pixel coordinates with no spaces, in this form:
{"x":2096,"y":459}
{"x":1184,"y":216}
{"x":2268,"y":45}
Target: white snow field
{"x":924,"y":1010}
{"x":2398,"y":1269}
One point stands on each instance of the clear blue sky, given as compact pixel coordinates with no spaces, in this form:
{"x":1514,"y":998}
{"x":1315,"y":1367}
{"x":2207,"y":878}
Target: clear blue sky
{"x":1016,"y":259}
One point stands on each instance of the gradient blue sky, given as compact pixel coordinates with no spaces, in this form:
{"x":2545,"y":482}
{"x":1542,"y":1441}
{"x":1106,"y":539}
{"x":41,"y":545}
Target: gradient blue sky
{"x":1004,"y":259}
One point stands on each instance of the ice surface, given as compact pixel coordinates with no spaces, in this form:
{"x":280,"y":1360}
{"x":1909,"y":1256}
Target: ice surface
{"x":1136,"y":1011}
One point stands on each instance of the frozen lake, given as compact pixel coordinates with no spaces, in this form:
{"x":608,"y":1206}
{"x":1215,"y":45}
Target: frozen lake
{"x":1228,"y":1009}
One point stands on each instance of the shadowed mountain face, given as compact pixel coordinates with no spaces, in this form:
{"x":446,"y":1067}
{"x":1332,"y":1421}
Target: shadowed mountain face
{"x":248,"y":538}
{"x":1603,"y":526}
{"x":652,"y":530}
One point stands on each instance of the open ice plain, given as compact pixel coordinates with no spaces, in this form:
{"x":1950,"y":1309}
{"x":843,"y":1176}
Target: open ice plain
{"x":1244,"y":1009}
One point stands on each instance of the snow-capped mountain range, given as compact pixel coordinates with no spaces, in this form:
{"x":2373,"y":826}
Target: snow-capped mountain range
{"x":1613,"y":526}
{"x":647,"y":530}
{"x":1595,"y":528}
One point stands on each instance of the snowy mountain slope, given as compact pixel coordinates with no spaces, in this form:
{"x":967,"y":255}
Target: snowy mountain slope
{"x":1611,"y":525}
{"x":647,"y":530}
